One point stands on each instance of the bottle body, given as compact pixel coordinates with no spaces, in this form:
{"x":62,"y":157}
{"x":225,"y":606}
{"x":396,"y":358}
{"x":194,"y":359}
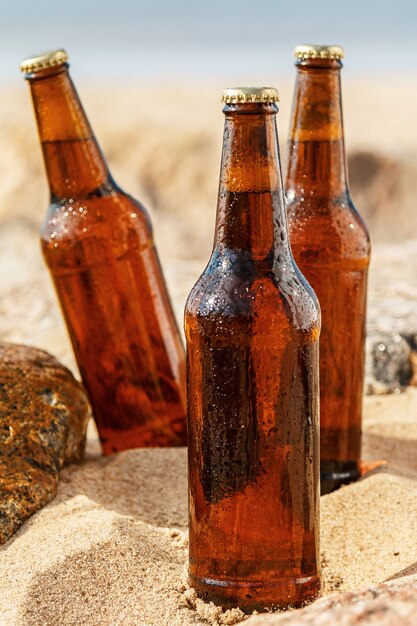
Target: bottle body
{"x":331,"y":246}
{"x":110,"y":286}
{"x":98,"y":245}
{"x":340,"y":284}
{"x":252,"y":327}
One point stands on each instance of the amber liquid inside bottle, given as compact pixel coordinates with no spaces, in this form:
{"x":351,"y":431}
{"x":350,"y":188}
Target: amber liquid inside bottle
{"x":252,"y":330}
{"x":98,"y":244}
{"x":331,"y":246}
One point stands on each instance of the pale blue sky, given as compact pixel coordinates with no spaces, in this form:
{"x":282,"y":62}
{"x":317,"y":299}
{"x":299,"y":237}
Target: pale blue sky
{"x":206,"y":39}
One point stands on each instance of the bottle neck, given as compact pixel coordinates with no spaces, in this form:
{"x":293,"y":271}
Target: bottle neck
{"x":316,"y":163}
{"x":250,"y":210}
{"x":73,"y":160}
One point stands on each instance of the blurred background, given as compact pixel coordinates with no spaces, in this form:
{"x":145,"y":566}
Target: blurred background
{"x":179,"y":39}
{"x":150,"y":75}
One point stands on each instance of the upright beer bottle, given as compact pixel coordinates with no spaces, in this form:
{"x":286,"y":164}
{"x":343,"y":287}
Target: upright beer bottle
{"x":331,"y":246}
{"x":97,"y":242}
{"x":252,"y":328}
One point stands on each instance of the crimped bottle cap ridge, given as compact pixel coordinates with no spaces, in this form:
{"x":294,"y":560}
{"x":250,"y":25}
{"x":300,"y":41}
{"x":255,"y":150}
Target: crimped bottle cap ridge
{"x":45,"y":60}
{"x":313,"y":51}
{"x":238,"y":95}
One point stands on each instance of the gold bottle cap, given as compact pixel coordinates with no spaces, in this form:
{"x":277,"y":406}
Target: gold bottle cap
{"x":310,"y":51}
{"x":43,"y":61}
{"x":237,"y":95}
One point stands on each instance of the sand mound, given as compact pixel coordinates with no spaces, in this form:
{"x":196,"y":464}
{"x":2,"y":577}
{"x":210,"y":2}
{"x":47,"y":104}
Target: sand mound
{"x":369,"y":530}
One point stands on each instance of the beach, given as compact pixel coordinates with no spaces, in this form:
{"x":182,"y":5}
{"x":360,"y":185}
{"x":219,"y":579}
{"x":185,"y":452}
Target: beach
{"x":112,"y":547}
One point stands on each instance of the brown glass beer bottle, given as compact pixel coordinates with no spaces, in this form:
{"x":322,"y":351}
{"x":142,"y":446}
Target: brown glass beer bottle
{"x":97,"y":242}
{"x":331,"y":246}
{"x":252,"y":326}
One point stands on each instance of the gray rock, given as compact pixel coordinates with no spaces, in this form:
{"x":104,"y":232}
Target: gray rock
{"x":388,"y":364}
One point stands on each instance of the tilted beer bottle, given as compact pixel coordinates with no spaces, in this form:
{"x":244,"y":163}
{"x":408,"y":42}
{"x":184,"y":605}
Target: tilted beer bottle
{"x":97,"y":242}
{"x":331,"y":246}
{"x":252,"y":327}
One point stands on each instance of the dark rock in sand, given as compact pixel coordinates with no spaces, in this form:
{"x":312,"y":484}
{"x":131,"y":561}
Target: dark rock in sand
{"x":43,"y":420}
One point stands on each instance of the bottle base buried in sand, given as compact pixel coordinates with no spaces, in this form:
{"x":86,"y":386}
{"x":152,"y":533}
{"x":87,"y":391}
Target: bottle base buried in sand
{"x":113,"y":440}
{"x":334,"y":474}
{"x":258,"y":596}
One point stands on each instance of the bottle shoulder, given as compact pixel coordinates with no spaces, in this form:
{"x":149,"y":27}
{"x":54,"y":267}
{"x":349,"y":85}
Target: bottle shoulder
{"x":99,"y":214}
{"x":234,"y":288}
{"x":333,"y":228}
{"x":86,"y":231}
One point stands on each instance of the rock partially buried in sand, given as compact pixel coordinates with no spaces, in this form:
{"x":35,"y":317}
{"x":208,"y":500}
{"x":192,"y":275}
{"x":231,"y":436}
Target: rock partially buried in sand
{"x":44,"y":413}
{"x":388,"y":368}
{"x":383,"y":605}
